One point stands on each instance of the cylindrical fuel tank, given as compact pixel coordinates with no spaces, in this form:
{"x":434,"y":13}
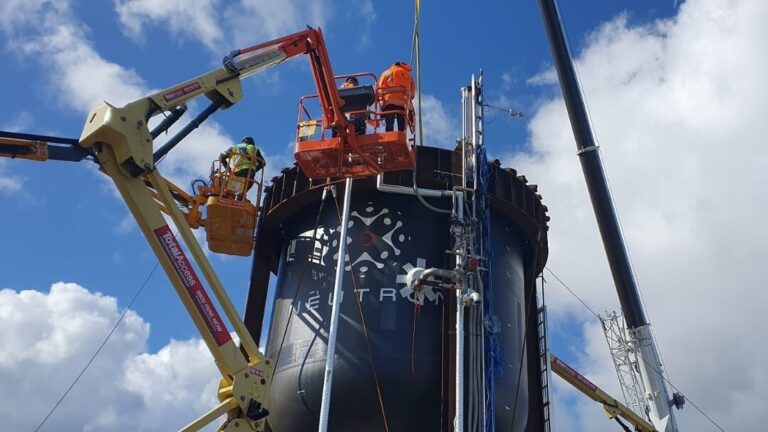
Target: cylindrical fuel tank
{"x":387,"y":235}
{"x":394,"y":347}
{"x":508,"y":282}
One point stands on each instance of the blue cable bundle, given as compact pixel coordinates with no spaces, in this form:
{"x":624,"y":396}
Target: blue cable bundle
{"x":491,"y":324}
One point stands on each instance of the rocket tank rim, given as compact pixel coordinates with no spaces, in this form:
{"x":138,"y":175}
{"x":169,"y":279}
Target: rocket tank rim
{"x":510,"y":194}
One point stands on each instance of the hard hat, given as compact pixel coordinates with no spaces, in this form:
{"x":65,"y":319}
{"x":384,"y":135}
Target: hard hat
{"x":248,"y":140}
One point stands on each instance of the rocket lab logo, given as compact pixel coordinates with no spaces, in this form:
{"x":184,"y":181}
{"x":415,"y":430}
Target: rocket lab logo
{"x":374,"y":237}
{"x":425,"y":292}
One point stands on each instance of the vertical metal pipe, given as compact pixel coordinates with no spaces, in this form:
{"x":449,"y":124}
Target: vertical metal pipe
{"x":325,"y":406}
{"x":477,"y":102}
{"x":459,"y":425}
{"x":464,"y":137}
{"x":613,"y":241}
{"x":472,"y":132}
{"x":458,"y":213}
{"x":459,"y":248}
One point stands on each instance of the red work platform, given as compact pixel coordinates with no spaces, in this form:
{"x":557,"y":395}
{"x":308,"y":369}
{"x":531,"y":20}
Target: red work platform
{"x":378,"y":152}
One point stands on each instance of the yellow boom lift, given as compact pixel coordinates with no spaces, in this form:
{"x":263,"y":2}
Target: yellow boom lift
{"x":119,"y":140}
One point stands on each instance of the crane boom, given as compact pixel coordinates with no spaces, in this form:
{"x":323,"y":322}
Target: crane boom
{"x":639,"y":329}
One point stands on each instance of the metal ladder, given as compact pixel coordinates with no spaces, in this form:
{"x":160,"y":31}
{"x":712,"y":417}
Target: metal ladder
{"x":544,"y":367}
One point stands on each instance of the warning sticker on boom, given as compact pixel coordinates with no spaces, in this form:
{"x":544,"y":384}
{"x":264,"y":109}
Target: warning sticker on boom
{"x":181,"y":91}
{"x":193,"y":285}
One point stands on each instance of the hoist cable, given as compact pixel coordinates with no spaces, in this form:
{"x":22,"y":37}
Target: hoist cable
{"x":416,"y":50}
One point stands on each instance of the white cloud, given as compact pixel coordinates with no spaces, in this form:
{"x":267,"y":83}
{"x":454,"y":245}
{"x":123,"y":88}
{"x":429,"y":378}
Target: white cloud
{"x":267,"y":19}
{"x":195,"y":19}
{"x":278,"y":161}
{"x":367,"y":14}
{"x":79,"y":76}
{"x":506,"y":81}
{"x":9,"y":183}
{"x":440,"y":130}
{"x":193,"y":157}
{"x":678,"y":107}
{"x":156,"y":377}
{"x":19,"y":122}
{"x":48,"y":337}
{"x":215,"y":23}
{"x":17,"y":14}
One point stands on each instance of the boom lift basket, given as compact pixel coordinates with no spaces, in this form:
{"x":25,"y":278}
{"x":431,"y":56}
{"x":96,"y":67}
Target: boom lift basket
{"x":230,"y":219}
{"x":229,"y":225}
{"x":363,"y":151}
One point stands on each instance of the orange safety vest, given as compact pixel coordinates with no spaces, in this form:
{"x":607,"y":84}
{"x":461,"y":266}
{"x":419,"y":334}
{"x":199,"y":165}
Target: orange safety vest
{"x":398,"y":75}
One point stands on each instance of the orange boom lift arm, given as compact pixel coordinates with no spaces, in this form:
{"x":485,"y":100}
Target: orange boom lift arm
{"x":345,"y":154}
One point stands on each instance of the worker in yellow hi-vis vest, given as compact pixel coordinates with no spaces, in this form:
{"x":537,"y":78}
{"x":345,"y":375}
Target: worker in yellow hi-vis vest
{"x":243,"y":160}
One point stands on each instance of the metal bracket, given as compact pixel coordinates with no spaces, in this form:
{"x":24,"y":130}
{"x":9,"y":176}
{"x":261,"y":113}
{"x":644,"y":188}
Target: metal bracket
{"x":587,"y":149}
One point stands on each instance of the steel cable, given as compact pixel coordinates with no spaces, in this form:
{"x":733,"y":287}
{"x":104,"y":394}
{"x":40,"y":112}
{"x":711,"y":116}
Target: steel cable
{"x":304,"y":264}
{"x":98,"y":350}
{"x":365,"y":328}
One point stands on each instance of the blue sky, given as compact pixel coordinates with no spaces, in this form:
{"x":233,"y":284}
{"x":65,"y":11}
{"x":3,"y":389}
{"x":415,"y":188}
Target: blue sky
{"x":64,"y":222}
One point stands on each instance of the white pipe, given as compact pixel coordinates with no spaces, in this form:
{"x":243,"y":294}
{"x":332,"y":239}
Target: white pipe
{"x":477,"y":122}
{"x":405,"y":190}
{"x":459,"y":425}
{"x":473,"y":131}
{"x":464,"y":137}
{"x":458,"y":211}
{"x":325,"y":406}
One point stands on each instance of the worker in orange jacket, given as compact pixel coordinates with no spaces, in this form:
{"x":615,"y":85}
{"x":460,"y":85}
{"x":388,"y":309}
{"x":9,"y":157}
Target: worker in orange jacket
{"x":396,"y":89}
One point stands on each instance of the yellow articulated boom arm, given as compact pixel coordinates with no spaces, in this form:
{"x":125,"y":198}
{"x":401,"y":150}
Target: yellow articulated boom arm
{"x":120,"y":141}
{"x":613,"y":408}
{"x":245,"y":386}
